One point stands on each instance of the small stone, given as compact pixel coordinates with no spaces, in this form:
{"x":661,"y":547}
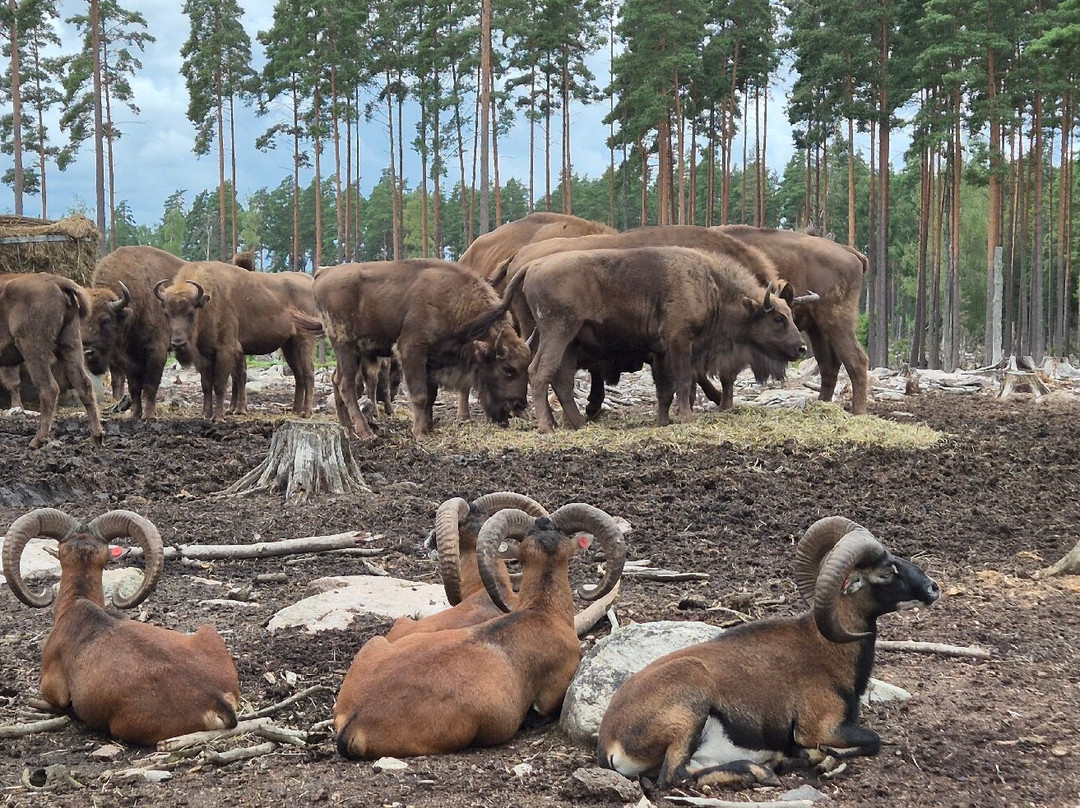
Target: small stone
{"x":107,"y":752}
{"x":389,"y":764}
{"x":522,"y":769}
{"x":607,"y":785}
{"x":803,"y":792}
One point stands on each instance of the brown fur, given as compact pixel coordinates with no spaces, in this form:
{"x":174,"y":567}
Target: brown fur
{"x":835,"y":272}
{"x":686,"y":308}
{"x":40,"y":322}
{"x":140,"y":346}
{"x":448,"y":326}
{"x":489,"y":250}
{"x":241,"y":313}
{"x":138,"y":682}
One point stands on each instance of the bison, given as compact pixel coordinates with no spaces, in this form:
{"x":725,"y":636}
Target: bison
{"x":218,"y":313}
{"x":684,"y":308}
{"x":835,"y":272}
{"x":132,"y":341}
{"x":448,"y":325}
{"x":40,"y":321}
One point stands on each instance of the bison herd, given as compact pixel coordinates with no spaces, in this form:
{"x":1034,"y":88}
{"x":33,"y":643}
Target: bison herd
{"x":528,"y":304}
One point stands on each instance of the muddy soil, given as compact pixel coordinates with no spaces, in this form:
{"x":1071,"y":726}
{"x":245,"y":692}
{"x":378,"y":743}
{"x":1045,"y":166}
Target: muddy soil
{"x":981,"y":512}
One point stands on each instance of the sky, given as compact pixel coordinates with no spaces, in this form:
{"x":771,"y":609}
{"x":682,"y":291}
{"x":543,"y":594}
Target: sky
{"x":154,"y":156}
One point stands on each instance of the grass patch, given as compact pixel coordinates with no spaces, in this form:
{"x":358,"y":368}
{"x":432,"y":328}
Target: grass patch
{"x":819,"y":426}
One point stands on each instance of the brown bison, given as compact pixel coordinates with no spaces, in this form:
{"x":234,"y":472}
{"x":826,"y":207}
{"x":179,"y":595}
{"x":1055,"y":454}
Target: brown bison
{"x":685,"y":309}
{"x":132,"y":341}
{"x":40,"y":321}
{"x":448,"y":325}
{"x":218,"y":313}
{"x":835,"y":272}
{"x":489,"y":250}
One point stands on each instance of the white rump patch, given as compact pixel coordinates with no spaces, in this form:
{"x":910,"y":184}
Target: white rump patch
{"x":716,"y":749}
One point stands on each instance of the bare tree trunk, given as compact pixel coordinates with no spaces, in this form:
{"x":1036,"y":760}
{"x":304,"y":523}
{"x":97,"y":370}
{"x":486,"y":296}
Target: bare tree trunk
{"x":16,"y":109}
{"x":485,"y":114}
{"x":762,"y":173}
{"x":339,"y":206}
{"x":395,"y":254}
{"x":644,"y":184}
{"x":680,"y":161}
{"x":436,"y":166}
{"x":219,"y":109}
{"x":495,"y":156}
{"x":99,"y":129}
{"x":1038,"y":316}
{"x":917,"y":357}
{"x":296,"y":176}
{"x":316,"y":250}
{"x":954,"y":242}
{"x":465,"y":223}
{"x":567,"y":168}
{"x":232,"y":157}
{"x":107,"y":129}
{"x":1010,"y":335}
{"x":994,"y":225}
{"x":938,"y":191}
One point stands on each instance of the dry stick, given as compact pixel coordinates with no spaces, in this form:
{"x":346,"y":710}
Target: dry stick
{"x":591,"y":614}
{"x":18,"y":730}
{"x":281,"y":705}
{"x":240,"y":753}
{"x":1069,"y":564}
{"x":195,"y":738}
{"x":709,"y":802}
{"x":264,"y":549}
{"x":43,"y":706}
{"x":970,"y":652}
{"x":282,"y":735}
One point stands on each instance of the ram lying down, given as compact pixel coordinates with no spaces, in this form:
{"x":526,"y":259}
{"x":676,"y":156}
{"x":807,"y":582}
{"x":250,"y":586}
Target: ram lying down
{"x":724,"y":711}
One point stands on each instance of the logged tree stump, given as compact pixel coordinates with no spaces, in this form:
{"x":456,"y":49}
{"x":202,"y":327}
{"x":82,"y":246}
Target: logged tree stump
{"x":306,"y":459}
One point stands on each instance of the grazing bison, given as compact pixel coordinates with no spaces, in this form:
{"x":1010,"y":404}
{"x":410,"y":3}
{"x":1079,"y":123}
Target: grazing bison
{"x":684,"y":308}
{"x":40,"y":321}
{"x":218,"y":313}
{"x":448,"y":326}
{"x":140,"y":345}
{"x":835,"y":272}
{"x":701,"y":238}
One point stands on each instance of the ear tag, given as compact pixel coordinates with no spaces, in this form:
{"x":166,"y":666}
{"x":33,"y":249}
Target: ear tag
{"x":116,"y":552}
{"x":584,"y":540}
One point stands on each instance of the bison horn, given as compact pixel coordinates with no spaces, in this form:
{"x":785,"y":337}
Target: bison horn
{"x":48,"y":522}
{"x":767,"y":303}
{"x":849,"y":552}
{"x":117,"y":305}
{"x":509,"y":522}
{"x":121,"y":524}
{"x":577,"y":516}
{"x":157,"y":290}
{"x":447,"y":521}
{"x":203,"y":297}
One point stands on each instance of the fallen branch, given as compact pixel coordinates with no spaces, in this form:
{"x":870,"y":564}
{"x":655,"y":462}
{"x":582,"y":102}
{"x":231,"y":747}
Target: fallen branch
{"x":665,"y":575}
{"x":281,"y":705}
{"x":970,"y":652}
{"x":592,"y":614}
{"x":263,"y":549}
{"x":43,"y":706}
{"x":240,"y":753}
{"x":713,"y":803}
{"x":48,"y":725}
{"x":1068,"y":565}
{"x":282,"y":735}
{"x":196,"y":738}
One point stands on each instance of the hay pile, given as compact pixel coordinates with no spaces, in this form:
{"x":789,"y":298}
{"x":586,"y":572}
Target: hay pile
{"x":68,"y":247}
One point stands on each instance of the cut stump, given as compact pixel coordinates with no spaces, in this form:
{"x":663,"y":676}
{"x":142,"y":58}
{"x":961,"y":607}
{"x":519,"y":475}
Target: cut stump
{"x":306,"y":459}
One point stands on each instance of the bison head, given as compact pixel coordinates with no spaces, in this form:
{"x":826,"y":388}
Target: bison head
{"x":109,"y":313}
{"x":181,"y":301}
{"x":770,"y":327}
{"x":502,"y":374}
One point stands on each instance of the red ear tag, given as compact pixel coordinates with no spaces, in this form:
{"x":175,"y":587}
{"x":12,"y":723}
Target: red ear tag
{"x":116,"y":552}
{"x":584,"y":540}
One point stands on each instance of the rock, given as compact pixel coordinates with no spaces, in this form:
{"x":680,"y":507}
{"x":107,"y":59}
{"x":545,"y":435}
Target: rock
{"x":607,"y":785}
{"x":803,"y":792}
{"x":522,"y":769}
{"x":389,"y":764}
{"x":339,"y":600}
{"x":610,"y":662}
{"x":108,"y":752}
{"x":878,"y":692}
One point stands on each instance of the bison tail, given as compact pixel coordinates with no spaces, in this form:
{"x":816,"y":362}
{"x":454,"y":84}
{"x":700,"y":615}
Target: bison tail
{"x":305,"y":322}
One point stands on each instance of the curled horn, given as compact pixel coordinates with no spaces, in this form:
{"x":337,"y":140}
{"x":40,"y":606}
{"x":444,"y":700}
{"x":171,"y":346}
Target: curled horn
{"x":117,"y":305}
{"x":489,"y":503}
{"x":578,"y":516}
{"x":809,"y":297}
{"x":202,"y":293}
{"x":447,"y":520}
{"x":814,"y":545}
{"x":157,"y":290}
{"x":507,"y":522}
{"x":848,"y":553}
{"x":121,"y":524}
{"x":48,"y":522}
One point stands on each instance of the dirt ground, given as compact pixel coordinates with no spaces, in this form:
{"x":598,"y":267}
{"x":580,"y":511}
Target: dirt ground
{"x":995,"y":501}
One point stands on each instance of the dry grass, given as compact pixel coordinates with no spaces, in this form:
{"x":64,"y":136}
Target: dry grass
{"x":819,"y":426}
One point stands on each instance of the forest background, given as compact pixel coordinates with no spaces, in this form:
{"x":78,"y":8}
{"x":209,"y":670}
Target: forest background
{"x":968,"y":229}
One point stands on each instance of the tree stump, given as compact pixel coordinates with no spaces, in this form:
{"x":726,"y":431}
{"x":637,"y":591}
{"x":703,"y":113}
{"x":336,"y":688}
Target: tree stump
{"x":1020,"y":376}
{"x":306,"y":459}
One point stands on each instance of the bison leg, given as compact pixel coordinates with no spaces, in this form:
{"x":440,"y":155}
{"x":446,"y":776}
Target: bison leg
{"x":10,"y":381}
{"x":463,"y":413}
{"x":144,"y":379}
{"x":345,"y":394}
{"x":724,"y":398}
{"x":70,"y":355}
{"x":597,"y":394}
{"x":850,"y":353}
{"x":37,"y":367}
{"x":554,"y":341}
{"x":238,"y":403}
{"x":563,"y":385}
{"x":300,"y":357}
